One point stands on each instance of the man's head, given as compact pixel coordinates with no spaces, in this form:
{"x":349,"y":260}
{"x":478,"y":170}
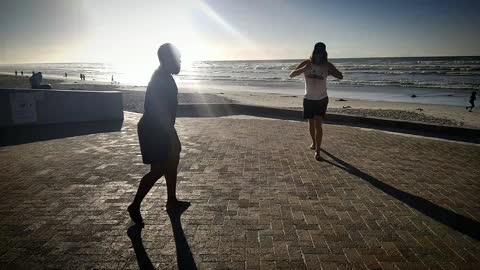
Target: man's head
{"x":169,"y":57}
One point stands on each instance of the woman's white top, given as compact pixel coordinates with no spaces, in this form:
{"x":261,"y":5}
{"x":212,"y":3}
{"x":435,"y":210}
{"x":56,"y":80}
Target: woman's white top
{"x":316,"y":81}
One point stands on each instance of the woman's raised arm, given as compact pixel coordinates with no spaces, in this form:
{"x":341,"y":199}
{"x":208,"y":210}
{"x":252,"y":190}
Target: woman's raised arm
{"x":332,"y":70}
{"x":300,"y":68}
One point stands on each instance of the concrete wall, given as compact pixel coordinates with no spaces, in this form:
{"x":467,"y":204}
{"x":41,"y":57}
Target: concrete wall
{"x":44,"y":114}
{"x":58,"y":106}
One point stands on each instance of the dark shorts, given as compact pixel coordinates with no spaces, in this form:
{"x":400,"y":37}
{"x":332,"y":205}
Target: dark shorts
{"x":155,"y":143}
{"x":311,"y":108}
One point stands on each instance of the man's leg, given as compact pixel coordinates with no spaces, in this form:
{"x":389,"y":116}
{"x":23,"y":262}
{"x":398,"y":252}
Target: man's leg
{"x":318,"y":135}
{"x":146,"y":184}
{"x":171,"y":177}
{"x":311,"y":127}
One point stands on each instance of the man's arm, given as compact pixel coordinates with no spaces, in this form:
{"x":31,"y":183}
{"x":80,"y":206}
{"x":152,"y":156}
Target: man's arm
{"x":332,"y":70}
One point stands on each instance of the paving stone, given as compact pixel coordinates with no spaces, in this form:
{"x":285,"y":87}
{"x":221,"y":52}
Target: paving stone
{"x":259,"y":200}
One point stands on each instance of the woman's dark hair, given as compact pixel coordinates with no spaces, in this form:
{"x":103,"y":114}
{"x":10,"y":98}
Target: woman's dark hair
{"x":319,"y":54}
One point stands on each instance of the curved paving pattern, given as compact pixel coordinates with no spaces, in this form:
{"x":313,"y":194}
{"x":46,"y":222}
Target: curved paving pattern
{"x":259,"y":200}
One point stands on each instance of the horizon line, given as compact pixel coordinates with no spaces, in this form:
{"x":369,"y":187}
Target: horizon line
{"x":240,"y":60}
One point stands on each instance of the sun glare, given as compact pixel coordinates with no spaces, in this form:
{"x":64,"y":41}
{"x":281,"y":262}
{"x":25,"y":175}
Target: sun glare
{"x":136,"y":40}
{"x":211,"y":14}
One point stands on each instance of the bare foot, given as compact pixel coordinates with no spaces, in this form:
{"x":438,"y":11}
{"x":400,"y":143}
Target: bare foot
{"x":318,"y":157}
{"x":312,"y":146}
{"x":135,"y":214}
{"x":176,"y":204}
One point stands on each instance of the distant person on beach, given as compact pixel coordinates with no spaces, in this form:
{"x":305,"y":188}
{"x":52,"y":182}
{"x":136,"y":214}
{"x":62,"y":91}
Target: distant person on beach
{"x":16,"y":73}
{"x":21,"y":72}
{"x":316,"y":70}
{"x":113,"y":81}
{"x":159,"y":142}
{"x":81,"y":76}
{"x":36,"y":82}
{"x":473,"y":97}
{"x":66,"y":75}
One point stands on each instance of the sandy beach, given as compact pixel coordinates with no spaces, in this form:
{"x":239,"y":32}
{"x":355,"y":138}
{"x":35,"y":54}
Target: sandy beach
{"x":437,"y":114}
{"x":134,"y":97}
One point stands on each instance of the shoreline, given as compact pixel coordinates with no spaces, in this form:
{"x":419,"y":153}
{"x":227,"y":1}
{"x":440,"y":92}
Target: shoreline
{"x":134,"y":98}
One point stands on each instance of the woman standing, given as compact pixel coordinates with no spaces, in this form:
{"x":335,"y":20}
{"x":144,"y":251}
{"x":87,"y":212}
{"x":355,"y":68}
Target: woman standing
{"x":316,"y":70}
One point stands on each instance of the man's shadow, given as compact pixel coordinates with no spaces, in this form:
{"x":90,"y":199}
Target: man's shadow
{"x":185,"y":258}
{"x":447,"y":217}
{"x":135,"y":235}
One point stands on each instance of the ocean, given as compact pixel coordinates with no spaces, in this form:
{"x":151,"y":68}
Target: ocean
{"x":435,"y":80}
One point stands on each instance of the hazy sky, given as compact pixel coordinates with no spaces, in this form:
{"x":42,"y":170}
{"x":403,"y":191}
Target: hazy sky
{"x":130,"y":31}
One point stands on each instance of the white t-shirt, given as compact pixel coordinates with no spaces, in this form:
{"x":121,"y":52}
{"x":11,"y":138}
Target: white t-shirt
{"x":316,"y":81}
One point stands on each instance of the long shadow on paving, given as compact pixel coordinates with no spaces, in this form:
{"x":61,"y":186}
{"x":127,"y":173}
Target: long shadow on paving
{"x":33,"y":133}
{"x":453,"y":220}
{"x":185,"y":258}
{"x":135,"y":235}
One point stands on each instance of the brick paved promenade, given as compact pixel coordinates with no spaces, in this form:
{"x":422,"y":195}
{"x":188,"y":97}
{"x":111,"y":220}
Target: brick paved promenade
{"x":259,"y":201}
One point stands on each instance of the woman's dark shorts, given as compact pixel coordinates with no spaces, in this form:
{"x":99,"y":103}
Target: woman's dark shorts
{"x":312,"y":108}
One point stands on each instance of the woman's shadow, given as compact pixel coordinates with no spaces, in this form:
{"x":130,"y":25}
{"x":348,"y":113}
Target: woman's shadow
{"x":185,"y":258}
{"x":460,"y":223}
